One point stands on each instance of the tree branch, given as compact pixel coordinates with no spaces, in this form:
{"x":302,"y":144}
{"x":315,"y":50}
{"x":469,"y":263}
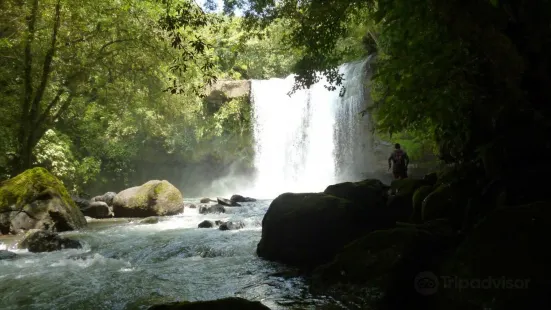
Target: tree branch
{"x":49,"y":108}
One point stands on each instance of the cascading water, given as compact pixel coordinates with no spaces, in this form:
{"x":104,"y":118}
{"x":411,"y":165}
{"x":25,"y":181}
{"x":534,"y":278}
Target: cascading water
{"x":312,"y":138}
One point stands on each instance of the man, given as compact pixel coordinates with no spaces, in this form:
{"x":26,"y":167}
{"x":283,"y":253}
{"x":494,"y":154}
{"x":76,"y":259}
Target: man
{"x":401,"y":162}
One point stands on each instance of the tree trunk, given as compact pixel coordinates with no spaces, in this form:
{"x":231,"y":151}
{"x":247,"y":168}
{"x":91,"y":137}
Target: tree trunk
{"x":32,"y":115}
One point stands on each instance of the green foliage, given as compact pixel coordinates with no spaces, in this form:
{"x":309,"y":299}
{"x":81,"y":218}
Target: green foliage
{"x":472,"y":76}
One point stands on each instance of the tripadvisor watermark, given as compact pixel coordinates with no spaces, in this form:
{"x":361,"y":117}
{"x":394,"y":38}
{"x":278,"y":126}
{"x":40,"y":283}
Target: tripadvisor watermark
{"x":427,"y":283}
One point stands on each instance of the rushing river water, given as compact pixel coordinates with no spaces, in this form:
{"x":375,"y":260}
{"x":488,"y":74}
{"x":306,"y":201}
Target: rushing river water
{"x":126,"y":265}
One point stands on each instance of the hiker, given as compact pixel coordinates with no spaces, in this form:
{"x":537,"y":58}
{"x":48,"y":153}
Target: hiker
{"x":401,"y":162}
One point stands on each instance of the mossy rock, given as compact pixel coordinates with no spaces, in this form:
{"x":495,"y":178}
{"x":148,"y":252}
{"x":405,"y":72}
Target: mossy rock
{"x":231,"y":303}
{"x":446,"y":201}
{"x":418,"y":197}
{"x":378,"y":257}
{"x":36,"y":199}
{"x":510,"y":244}
{"x":400,"y":202}
{"x":369,"y":193}
{"x":154,"y":198}
{"x":308,"y":229}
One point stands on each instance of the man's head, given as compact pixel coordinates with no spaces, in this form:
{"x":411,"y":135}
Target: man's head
{"x":397,"y":146}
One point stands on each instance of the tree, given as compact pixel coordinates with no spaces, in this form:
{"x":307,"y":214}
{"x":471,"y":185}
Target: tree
{"x":75,"y":54}
{"x":471,"y":72}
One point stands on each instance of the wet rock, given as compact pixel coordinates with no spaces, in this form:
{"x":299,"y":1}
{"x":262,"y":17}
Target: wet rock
{"x":36,"y":199}
{"x":418,"y":198}
{"x":7,"y":255}
{"x":231,"y":303}
{"x":508,"y":247}
{"x":231,"y":225}
{"x":46,"y":241}
{"x":308,"y":229}
{"x":227,"y":202}
{"x":154,"y":198}
{"x":211,"y":209}
{"x":150,"y":220}
{"x":107,"y":198}
{"x":206,"y":224}
{"x":98,"y":210}
{"x":82,"y":203}
{"x":206,"y":200}
{"x":190,"y":205}
{"x":370,"y":192}
{"x":400,"y":202}
{"x":239,"y":198}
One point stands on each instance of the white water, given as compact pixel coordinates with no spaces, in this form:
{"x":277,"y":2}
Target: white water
{"x":311,"y":139}
{"x":126,"y":265}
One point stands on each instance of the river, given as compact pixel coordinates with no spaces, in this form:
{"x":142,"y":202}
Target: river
{"x":126,"y":265}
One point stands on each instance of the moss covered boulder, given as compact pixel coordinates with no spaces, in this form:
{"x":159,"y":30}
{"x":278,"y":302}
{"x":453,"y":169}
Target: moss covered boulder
{"x":369,"y":193}
{"x":507,"y":257}
{"x":377,"y":256}
{"x":35,"y":199}
{"x":154,"y":198}
{"x":231,"y":303}
{"x":308,"y":229}
{"x":418,"y":197}
{"x":400,"y":201}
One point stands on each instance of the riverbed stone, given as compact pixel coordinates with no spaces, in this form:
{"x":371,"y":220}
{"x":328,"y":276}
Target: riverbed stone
{"x":207,"y":209}
{"x":230,"y":303}
{"x":231,"y":225}
{"x":239,"y":198}
{"x":206,"y":224}
{"x":308,"y":229}
{"x":98,"y":210}
{"x":227,"y":202}
{"x":150,"y":220}
{"x":46,"y":241}
{"x":36,"y":199}
{"x":154,"y":198}
{"x":7,"y":255}
{"x":107,"y":198}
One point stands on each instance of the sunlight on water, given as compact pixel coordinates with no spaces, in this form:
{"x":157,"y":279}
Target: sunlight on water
{"x":310,"y":139}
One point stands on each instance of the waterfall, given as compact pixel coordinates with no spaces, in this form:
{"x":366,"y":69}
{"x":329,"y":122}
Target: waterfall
{"x":311,"y":139}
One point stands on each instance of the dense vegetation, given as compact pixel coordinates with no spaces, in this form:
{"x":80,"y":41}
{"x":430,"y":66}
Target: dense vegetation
{"x":109,"y":94}
{"x":87,"y":88}
{"x":472,"y":76}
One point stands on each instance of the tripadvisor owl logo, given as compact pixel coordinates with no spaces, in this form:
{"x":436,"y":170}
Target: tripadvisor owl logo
{"x":427,"y":283}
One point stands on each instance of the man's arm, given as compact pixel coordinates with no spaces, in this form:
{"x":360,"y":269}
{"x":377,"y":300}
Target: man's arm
{"x":406,"y":159}
{"x":390,"y":161}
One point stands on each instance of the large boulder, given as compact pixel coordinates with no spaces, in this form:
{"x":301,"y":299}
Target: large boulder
{"x":370,"y":192}
{"x":46,"y":241}
{"x":35,"y":199}
{"x":154,"y":198}
{"x":376,"y":257}
{"x":418,"y":198}
{"x":107,"y":198}
{"x":507,"y":256}
{"x":400,"y":201}
{"x":98,"y":210}
{"x":230,"y":303}
{"x":308,"y":229}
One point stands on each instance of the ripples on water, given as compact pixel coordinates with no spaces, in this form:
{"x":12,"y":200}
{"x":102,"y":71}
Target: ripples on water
{"x":126,"y":265}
